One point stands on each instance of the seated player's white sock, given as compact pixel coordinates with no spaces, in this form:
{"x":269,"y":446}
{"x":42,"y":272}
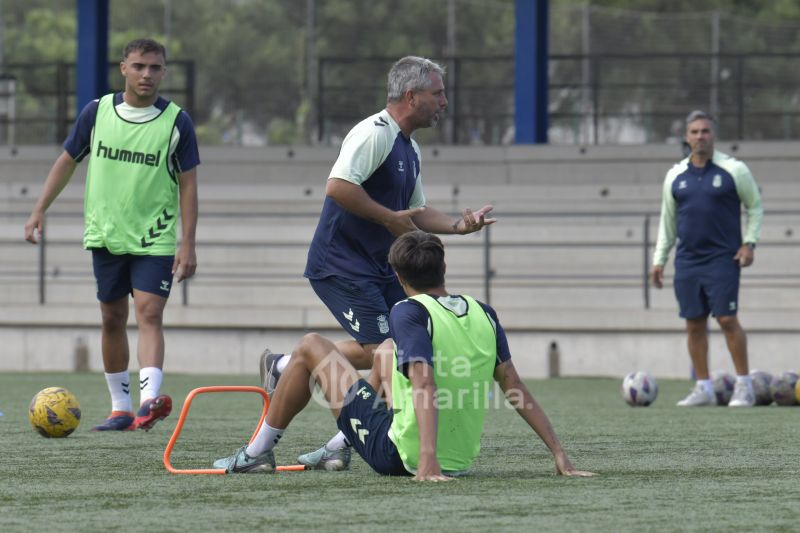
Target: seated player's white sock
{"x":282,"y":362}
{"x":266,"y":439}
{"x":149,"y":383}
{"x":338,"y":442}
{"x":119,"y":385}
{"x":708,"y":386}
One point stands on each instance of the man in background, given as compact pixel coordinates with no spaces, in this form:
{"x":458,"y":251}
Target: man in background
{"x":142,"y":172}
{"x":700,"y":207}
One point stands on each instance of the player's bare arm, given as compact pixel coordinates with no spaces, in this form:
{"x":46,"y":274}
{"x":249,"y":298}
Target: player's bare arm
{"x":434,"y":221}
{"x":421,"y":376}
{"x":57,"y":179}
{"x":355,"y":199}
{"x":520,"y":397}
{"x":186,"y":257}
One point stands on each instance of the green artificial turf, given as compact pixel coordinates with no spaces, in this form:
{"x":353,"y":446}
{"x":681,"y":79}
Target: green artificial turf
{"x":660,"y":468}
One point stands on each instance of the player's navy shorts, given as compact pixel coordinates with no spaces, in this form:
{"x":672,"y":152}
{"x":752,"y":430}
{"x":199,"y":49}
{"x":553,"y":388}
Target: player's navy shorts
{"x":118,"y":275}
{"x":711,"y":289}
{"x":361,"y":307}
{"x":365,"y":421}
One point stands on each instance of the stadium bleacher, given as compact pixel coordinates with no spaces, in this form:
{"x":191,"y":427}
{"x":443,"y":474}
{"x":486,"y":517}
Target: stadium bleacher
{"x":568,"y":255}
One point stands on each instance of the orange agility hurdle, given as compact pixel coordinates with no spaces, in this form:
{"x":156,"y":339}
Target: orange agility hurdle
{"x":182,"y":419}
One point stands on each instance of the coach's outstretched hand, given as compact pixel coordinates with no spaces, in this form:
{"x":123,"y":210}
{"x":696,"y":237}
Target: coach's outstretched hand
{"x":472,"y":222}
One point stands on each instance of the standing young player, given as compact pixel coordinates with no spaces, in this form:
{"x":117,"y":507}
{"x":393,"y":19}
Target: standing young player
{"x":447,"y":351}
{"x":374,"y":194}
{"x":142,"y":172}
{"x":701,"y":207}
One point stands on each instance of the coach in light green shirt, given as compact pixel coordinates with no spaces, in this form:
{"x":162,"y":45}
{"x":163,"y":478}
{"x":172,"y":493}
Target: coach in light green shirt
{"x":702,"y":197}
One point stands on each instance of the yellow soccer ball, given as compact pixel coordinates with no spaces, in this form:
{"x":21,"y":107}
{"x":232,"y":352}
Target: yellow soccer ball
{"x":797,"y":390}
{"x":54,"y":412}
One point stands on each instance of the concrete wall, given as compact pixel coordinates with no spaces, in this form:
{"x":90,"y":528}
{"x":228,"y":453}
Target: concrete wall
{"x":232,"y":350}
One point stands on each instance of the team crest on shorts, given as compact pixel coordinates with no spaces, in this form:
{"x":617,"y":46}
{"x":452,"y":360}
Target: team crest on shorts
{"x":383,"y":324}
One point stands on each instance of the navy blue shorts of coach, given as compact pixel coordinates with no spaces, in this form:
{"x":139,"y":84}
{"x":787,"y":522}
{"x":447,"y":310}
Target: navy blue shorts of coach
{"x":712,"y":288}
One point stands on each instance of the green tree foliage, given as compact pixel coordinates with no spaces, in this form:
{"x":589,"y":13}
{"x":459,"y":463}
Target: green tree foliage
{"x":251,"y":56}
{"x":39,"y":35}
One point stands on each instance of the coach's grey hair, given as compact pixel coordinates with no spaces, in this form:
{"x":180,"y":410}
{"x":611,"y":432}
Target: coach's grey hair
{"x":699,"y":114}
{"x":410,"y":73}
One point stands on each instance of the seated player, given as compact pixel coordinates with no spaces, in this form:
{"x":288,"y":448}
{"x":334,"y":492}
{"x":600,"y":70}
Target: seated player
{"x":428,"y":418}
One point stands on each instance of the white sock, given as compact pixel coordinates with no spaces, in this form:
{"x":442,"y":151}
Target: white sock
{"x":282,"y":362}
{"x":149,"y":383}
{"x":337,"y":442}
{"x":747,"y":379}
{"x":119,"y":385}
{"x":708,"y":386}
{"x":266,"y":439}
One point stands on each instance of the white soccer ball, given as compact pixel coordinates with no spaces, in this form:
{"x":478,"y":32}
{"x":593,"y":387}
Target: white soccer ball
{"x":724,"y":382}
{"x":783,"y":388}
{"x":761,"y":381}
{"x":639,"y":389}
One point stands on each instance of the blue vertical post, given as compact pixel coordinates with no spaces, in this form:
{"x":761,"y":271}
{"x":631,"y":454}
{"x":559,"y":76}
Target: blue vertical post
{"x":91,"y":76}
{"x":530,"y":83}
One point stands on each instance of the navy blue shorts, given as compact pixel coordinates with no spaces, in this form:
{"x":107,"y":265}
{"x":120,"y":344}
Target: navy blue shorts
{"x":118,"y":275}
{"x":714,"y":289}
{"x":365,"y":421}
{"x":361,"y":307}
